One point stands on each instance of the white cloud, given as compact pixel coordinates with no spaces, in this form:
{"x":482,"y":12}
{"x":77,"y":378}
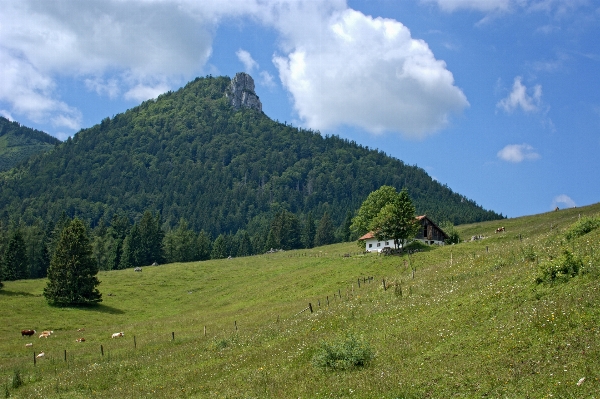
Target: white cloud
{"x":564,"y":201}
{"x":516,"y":153}
{"x":518,"y":98}
{"x":266,"y":79}
{"x":6,"y":114}
{"x":101,"y":86}
{"x":481,"y":5}
{"x":246,"y":59}
{"x":143,"y":92}
{"x":340,"y":66}
{"x":367,"y":72}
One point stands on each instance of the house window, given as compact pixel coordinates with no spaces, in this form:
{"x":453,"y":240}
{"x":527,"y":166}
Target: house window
{"x":370,"y":245}
{"x":378,"y":244}
{"x":387,"y":243}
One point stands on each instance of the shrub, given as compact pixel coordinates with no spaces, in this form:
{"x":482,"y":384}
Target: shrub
{"x":560,"y":269}
{"x":343,"y":354}
{"x":17,"y":379}
{"x":582,"y":226}
{"x":528,"y":253}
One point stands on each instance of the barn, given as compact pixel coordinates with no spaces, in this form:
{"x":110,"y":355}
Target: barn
{"x":429,"y":234}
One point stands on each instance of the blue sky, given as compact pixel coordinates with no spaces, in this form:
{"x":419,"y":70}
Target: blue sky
{"x":498,"y":99}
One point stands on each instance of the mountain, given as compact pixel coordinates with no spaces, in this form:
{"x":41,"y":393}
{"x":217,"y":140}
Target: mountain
{"x":18,"y":143}
{"x":218,"y":162}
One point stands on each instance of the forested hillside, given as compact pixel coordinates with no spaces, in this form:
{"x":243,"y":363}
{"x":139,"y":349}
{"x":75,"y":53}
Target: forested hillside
{"x":18,"y":143}
{"x":189,"y":154}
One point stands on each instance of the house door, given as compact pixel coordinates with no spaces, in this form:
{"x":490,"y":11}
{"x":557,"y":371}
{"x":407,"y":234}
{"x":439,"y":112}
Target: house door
{"x":430,"y":232}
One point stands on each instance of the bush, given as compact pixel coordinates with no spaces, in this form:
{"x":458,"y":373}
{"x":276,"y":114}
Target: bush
{"x":582,"y":226}
{"x":343,"y":354}
{"x":560,"y":269}
{"x":17,"y":379}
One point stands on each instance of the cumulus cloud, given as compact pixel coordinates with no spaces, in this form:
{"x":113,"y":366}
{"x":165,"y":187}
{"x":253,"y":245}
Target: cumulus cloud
{"x":518,"y":98}
{"x":246,"y":59}
{"x":559,"y":7}
{"x":340,"y":66}
{"x":516,"y":153}
{"x":370,"y":73}
{"x":143,"y":92}
{"x":563,"y":201}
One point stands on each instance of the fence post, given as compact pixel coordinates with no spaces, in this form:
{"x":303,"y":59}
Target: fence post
{"x":205,"y":329}
{"x":65,"y":355}
{"x":102,"y":350}
{"x":34,"y":358}
{"x":384,"y":287}
{"x":173,"y":336}
{"x":327,"y":300}
{"x":359,"y":282}
{"x":134,"y":343}
{"x":310,"y":307}
{"x":235,"y":324}
{"x":486,"y":249}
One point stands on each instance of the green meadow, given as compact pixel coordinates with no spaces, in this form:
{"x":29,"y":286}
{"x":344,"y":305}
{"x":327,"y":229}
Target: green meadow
{"x":463,"y":321}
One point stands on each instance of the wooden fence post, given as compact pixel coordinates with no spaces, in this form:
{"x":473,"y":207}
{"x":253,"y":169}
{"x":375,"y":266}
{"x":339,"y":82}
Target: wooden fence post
{"x":205,"y":328}
{"x":327,"y":300}
{"x":235,"y":324}
{"x":384,"y":287}
{"x":172,"y":335}
{"x":310,"y":307}
{"x":65,"y":355}
{"x":134,"y":343}
{"x":358,"y":282}
{"x":102,"y":350}
{"x":34,"y":358}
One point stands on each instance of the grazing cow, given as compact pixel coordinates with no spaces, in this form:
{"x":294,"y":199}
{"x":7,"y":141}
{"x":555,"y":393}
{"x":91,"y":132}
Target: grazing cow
{"x":137,"y":269}
{"x":29,"y":333}
{"x":80,"y":339}
{"x":80,"y":329}
{"x":29,"y":345}
{"x":119,"y":334}
{"x":46,"y":334}
{"x":42,"y":354}
{"x":500,"y":229}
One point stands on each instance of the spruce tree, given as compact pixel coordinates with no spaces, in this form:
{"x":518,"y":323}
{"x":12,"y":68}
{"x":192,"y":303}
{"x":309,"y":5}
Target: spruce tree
{"x":324,"y":234}
{"x":15,"y":263}
{"x":219,"y":250}
{"x":204,"y":246}
{"x":309,"y":231}
{"x":72,"y":273}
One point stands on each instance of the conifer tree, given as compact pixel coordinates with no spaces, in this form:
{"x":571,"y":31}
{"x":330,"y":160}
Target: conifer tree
{"x":72,"y":273}
{"x":219,"y":250}
{"x":324,"y":234}
{"x":204,"y":246}
{"x":15,"y":263}
{"x":309,"y":231}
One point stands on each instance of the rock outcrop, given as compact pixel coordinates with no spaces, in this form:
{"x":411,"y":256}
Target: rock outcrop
{"x":241,"y":92}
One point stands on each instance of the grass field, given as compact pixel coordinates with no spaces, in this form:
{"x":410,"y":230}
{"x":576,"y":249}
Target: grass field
{"x":463,"y":321}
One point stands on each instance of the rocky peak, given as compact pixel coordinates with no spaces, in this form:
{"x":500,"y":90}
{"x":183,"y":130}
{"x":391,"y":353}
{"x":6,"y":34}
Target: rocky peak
{"x":241,"y":92}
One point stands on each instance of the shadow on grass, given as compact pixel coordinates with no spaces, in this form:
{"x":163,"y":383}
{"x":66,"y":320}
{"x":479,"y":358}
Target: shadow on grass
{"x":4,"y":292}
{"x":100,"y":308}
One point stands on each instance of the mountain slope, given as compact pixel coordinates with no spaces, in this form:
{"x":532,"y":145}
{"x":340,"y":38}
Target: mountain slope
{"x":18,"y":143}
{"x":190,"y":154}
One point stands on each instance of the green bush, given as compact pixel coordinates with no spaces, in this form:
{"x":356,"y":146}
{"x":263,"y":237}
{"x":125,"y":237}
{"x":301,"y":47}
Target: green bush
{"x":17,"y":379}
{"x":343,"y":354}
{"x":582,"y":226}
{"x":560,"y":269}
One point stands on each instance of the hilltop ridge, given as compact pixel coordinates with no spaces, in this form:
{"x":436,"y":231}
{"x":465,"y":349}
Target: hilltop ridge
{"x":191,"y":154}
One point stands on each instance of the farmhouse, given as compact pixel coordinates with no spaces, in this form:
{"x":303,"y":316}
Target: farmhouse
{"x":429,"y":233}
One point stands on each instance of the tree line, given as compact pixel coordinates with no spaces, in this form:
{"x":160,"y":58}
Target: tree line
{"x":27,"y":251}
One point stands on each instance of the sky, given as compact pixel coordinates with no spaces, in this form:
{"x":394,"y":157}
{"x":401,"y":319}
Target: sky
{"x":497,"y":99}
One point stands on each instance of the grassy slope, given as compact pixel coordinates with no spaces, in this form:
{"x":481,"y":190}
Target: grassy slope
{"x":476,"y":327}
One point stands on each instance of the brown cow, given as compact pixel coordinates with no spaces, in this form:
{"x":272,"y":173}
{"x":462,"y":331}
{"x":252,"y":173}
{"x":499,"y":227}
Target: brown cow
{"x":28,"y":333}
{"x":80,"y":339}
